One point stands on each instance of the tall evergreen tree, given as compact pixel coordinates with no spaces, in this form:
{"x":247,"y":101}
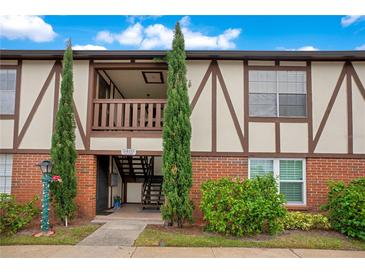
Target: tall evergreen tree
{"x":177,"y":168}
{"x":63,"y":151}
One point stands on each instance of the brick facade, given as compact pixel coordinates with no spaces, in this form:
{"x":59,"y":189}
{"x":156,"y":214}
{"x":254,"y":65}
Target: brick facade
{"x":26,"y":177}
{"x":320,"y":170}
{"x":205,"y":168}
{"x":26,"y":180}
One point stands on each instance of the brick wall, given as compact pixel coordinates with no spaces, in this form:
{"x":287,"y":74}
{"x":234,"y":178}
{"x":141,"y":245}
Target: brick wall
{"x":26,"y":180}
{"x":205,"y":168}
{"x":320,"y":170}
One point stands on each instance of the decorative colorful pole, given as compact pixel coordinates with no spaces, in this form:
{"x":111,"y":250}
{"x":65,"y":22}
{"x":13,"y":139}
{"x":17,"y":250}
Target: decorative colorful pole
{"x":46,"y":180}
{"x":46,"y":168}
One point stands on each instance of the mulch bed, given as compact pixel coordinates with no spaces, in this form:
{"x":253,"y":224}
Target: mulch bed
{"x":198,"y":230}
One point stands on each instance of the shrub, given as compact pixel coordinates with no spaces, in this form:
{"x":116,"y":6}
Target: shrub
{"x":346,"y":207}
{"x":243,"y":208}
{"x":305,"y":221}
{"x":15,"y":216}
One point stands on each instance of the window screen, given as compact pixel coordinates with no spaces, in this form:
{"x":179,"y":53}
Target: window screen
{"x":291,"y":180}
{"x":7,"y":91}
{"x":261,"y":167}
{"x":6,"y":167}
{"x":277,"y":93}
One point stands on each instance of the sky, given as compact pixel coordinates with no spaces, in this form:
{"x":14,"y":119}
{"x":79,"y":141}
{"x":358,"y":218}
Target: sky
{"x":201,"y":32}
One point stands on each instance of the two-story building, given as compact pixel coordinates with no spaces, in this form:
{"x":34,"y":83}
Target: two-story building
{"x":299,"y":115}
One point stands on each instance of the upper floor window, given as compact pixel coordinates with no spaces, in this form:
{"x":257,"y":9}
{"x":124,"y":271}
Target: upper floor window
{"x":7,"y":91}
{"x":277,"y":93}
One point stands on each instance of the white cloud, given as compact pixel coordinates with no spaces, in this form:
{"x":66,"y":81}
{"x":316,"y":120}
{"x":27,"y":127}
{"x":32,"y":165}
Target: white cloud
{"x":158,"y":36}
{"x":304,"y":48}
{"x":88,"y":47}
{"x":308,"y":48}
{"x":132,"y":36}
{"x":351,"y":19}
{"x":105,"y":36}
{"x":26,"y":27}
{"x":362,"y":47}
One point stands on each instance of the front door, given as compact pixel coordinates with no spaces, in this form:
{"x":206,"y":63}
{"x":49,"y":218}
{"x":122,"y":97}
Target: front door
{"x":102,"y":183}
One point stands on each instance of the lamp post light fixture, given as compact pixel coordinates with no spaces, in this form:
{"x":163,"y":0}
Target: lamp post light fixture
{"x":46,"y":168}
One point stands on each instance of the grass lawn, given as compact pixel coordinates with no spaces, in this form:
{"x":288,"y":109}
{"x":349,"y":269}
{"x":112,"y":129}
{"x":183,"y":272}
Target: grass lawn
{"x":64,"y":236}
{"x":155,"y":235}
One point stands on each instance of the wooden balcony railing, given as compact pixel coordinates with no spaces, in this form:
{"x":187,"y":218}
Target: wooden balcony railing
{"x":128,"y":114}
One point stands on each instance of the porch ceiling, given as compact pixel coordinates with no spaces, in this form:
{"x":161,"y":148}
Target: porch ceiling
{"x":132,"y":84}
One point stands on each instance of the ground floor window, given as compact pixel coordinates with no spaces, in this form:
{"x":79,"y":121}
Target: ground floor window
{"x":6,"y":167}
{"x":290,"y":174}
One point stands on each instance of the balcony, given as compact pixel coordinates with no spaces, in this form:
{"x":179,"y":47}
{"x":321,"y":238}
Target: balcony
{"x":128,"y":115}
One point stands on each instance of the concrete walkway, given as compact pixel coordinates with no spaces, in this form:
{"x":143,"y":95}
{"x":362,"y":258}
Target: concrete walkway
{"x":80,"y":251}
{"x":116,"y":233}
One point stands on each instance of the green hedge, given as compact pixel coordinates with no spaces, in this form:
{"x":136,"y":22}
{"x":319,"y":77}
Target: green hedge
{"x":235,"y":207}
{"x":346,"y":207}
{"x":15,"y":216}
{"x":305,"y":221}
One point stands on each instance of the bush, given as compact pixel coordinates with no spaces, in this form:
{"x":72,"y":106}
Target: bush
{"x":15,"y":216}
{"x":305,"y":221}
{"x":243,"y":208}
{"x":346,"y":207}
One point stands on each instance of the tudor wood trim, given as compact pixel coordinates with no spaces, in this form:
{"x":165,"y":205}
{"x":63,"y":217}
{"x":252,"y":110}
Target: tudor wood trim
{"x":79,"y":124}
{"x":329,"y":106}
{"x":133,"y":134}
{"x":350,"y":146}
{"x":202,"y":153}
{"x":277,"y":119}
{"x":276,"y":67}
{"x":35,"y":105}
{"x":230,"y":105}
{"x":7,"y":116}
{"x":245,"y":107}
{"x":277,"y":137}
{"x":17,"y":102}
{"x":129,"y":142}
{"x":357,"y":80}
{"x":131,"y":66}
{"x":201,"y":86}
{"x":56,"y":94}
{"x":214,"y":106}
{"x":91,"y":93}
{"x":310,"y":107}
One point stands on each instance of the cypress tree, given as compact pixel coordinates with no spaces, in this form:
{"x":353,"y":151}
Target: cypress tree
{"x":177,"y":168}
{"x":63,"y":151}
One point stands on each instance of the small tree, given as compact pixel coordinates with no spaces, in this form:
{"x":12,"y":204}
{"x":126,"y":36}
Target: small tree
{"x":63,"y":151}
{"x":177,"y":168}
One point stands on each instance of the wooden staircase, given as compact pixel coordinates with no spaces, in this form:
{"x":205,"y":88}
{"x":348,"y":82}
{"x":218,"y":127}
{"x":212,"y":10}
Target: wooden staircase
{"x":131,"y":168}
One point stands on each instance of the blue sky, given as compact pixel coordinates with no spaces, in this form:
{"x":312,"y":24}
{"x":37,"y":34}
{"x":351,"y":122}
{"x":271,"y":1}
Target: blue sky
{"x":201,"y":32}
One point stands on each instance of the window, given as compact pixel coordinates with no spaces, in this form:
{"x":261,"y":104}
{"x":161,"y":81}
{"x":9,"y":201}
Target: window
{"x":6,"y":167}
{"x":290,"y":174}
{"x":7,"y":91}
{"x":277,"y":93}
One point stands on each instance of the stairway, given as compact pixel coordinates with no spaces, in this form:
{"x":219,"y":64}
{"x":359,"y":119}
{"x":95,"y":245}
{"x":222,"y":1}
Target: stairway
{"x":152,"y":195}
{"x":132,"y":168}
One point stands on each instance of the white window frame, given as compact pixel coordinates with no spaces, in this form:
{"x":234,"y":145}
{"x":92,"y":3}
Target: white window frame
{"x":276,"y":170}
{"x":11,"y":172}
{"x":15,"y":91}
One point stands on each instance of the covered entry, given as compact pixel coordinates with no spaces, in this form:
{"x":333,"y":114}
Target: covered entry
{"x":133,"y":180}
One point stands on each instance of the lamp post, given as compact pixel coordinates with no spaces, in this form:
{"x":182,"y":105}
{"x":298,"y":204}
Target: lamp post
{"x":46,"y":168}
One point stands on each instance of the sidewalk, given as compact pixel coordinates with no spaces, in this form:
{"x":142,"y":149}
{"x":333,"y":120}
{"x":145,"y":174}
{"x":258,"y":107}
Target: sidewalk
{"x":79,"y":251}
